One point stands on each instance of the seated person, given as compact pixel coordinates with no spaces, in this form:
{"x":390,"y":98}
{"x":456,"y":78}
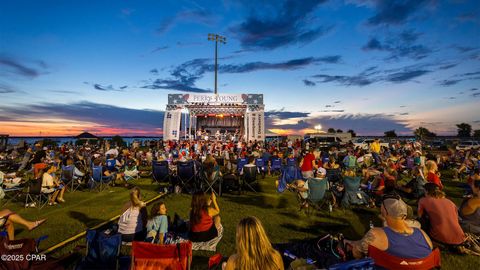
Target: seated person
{"x":9,"y":218}
{"x":51,"y":185}
{"x":131,"y":224}
{"x":254,"y":250}
{"x":352,"y":194}
{"x":415,"y":188}
{"x":470,"y":211}
{"x":301,"y":186}
{"x":157,"y":225}
{"x":442,"y":216}
{"x":397,"y":238}
{"x":205,"y":223}
{"x":433,"y":175}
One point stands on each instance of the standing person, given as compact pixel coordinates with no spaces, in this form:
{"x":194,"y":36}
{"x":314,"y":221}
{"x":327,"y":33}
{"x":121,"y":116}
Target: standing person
{"x":131,"y":224}
{"x":375,"y":149}
{"x":205,"y":220}
{"x":307,"y":164}
{"x":254,"y":250}
{"x":442,"y":216}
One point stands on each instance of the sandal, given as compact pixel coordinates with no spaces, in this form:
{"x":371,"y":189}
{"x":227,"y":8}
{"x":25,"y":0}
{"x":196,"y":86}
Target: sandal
{"x":52,"y":203}
{"x":61,"y":200}
{"x":37,"y":223}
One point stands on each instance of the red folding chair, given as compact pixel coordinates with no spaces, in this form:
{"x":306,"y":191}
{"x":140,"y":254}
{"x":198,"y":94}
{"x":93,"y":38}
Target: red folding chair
{"x":148,"y":256}
{"x":385,"y":260}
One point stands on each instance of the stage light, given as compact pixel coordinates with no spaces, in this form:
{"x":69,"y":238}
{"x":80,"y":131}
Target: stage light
{"x":318,"y":127}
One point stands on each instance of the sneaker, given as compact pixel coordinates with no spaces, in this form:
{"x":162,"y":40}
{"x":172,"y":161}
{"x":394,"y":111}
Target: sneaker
{"x":33,"y":205}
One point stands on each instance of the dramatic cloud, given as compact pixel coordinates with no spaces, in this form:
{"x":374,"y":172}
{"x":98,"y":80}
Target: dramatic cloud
{"x":399,"y":46}
{"x":185,"y":75}
{"x":362,"y":124}
{"x":394,"y":12}
{"x":309,"y":83}
{"x":106,"y":88}
{"x":291,"y":23}
{"x":13,"y":66}
{"x":112,"y":117}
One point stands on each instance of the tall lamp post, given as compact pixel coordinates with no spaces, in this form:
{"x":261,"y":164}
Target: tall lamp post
{"x":221,"y":39}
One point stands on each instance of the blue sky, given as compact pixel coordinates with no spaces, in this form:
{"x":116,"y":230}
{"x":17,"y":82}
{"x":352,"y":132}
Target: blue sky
{"x":367,"y":65}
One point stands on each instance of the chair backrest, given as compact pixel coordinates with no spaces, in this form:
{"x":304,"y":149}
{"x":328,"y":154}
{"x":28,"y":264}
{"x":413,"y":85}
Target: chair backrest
{"x":160,"y":170}
{"x":241,"y":163}
{"x":276,"y":164}
{"x":19,"y":248}
{"x":110,"y":164}
{"x":351,"y":183}
{"x":185,"y":169}
{"x":334,"y":175}
{"x":385,"y":260}
{"x":260,"y":163}
{"x":102,"y":249}
{"x":35,"y":186}
{"x":67,"y":173}
{"x":317,"y":189}
{"x":97,"y":173}
{"x":250,"y":173}
{"x":291,"y":162}
{"x":152,"y":256}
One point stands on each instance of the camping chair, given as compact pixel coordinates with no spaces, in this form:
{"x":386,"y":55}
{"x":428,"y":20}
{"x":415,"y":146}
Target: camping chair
{"x":241,"y":162}
{"x":21,"y":248}
{"x":250,"y":176}
{"x":102,"y":250}
{"x":110,"y":164}
{"x":161,"y":171}
{"x":384,"y":260}
{"x":68,"y":177}
{"x":186,"y":174}
{"x":9,"y":192}
{"x":211,"y":181}
{"x":131,"y":173}
{"x":98,"y":180}
{"x":34,"y":196}
{"x":152,"y":256}
{"x":276,"y":166}
{"x":318,"y":190}
{"x":262,"y":168}
{"x":352,"y":193}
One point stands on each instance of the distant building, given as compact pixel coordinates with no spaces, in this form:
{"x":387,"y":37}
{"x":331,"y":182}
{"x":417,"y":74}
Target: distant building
{"x":87,"y":137}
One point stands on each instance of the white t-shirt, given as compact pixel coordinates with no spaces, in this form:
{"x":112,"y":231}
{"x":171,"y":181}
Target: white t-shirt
{"x":130,"y":221}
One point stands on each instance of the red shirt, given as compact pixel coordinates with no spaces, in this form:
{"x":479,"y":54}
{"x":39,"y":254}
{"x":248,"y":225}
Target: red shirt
{"x":307,"y":162}
{"x":205,"y":223}
{"x":433,"y":178}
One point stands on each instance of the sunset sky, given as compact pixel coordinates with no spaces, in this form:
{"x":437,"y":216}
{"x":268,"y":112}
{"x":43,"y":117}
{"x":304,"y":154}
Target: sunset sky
{"x":366,"y":65}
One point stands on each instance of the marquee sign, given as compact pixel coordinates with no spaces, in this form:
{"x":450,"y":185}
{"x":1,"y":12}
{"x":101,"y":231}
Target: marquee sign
{"x":213,"y":99}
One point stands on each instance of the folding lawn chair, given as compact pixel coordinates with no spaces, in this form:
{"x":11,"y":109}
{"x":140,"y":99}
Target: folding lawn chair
{"x":211,"y":181}
{"x":241,"y":162}
{"x":161,"y":171}
{"x":68,"y":177}
{"x":148,"y":256}
{"x":34,"y":196}
{"x":334,"y":175}
{"x":250,"y":176}
{"x":186,"y":175}
{"x":261,"y":165}
{"x":383,"y":260}
{"x":98,"y":180}
{"x":319,"y":194}
{"x":102,"y":250}
{"x":360,"y":264}
{"x":131,"y":173}
{"x":276,"y":166}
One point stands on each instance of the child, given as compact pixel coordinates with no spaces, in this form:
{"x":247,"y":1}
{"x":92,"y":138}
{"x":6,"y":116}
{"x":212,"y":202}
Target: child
{"x":157,"y":225}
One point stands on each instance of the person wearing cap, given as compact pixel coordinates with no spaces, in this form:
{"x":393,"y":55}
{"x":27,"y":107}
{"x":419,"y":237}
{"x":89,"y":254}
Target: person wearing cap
{"x":302,"y":186}
{"x":442,"y":216}
{"x":397,"y":238}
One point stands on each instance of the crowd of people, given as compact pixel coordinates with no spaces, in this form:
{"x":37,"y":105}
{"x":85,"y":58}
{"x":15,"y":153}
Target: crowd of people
{"x":383,"y":177}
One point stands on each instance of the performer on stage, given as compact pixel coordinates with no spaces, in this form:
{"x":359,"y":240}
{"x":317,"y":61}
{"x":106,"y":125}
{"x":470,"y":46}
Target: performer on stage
{"x":217,"y":135}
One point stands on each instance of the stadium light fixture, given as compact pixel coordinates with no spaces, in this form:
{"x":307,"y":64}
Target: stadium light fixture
{"x":221,"y":39}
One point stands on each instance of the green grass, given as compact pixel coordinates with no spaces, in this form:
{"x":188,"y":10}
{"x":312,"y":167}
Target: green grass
{"x":278,"y":212}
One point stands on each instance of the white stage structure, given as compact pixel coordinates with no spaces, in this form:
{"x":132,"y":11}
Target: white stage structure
{"x":243,"y":113}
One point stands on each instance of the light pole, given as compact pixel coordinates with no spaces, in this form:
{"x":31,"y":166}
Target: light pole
{"x":221,"y":39}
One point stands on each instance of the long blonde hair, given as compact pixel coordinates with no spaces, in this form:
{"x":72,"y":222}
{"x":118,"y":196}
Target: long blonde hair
{"x":254,"y":250}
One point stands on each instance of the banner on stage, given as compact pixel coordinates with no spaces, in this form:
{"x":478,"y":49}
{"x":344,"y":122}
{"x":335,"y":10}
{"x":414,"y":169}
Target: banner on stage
{"x":171,"y":124}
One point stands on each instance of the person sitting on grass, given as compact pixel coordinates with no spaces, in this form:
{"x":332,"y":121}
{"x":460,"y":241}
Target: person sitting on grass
{"x":397,"y":238}
{"x":253,"y":248}
{"x":470,"y":211}
{"x":442,"y":216}
{"x":433,"y":175}
{"x":131,"y":224}
{"x":157,"y":225}
{"x":205,"y":220}
{"x":9,"y":218}
{"x":51,"y":185}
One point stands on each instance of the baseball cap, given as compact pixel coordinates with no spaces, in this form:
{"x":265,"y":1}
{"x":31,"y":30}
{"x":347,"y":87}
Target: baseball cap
{"x":395,"y":207}
{"x":321,"y":171}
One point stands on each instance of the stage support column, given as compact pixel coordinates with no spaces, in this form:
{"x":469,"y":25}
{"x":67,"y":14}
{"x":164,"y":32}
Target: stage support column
{"x":190,"y":127}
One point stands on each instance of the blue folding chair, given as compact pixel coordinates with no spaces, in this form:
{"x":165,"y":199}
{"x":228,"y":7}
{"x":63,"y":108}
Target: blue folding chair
{"x":98,"y":180}
{"x":261,"y":166}
{"x":186,"y":175}
{"x":68,"y":177}
{"x":161,"y":171}
{"x":276,"y":166}
{"x":241,"y":162}
{"x":103,"y":250}
{"x":110,"y":164}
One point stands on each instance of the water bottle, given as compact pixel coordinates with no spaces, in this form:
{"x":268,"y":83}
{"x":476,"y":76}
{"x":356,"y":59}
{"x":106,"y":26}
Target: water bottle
{"x":330,"y":207}
{"x":371,"y":224}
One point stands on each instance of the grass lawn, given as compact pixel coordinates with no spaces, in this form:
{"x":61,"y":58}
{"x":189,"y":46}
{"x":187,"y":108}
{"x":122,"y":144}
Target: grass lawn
{"x":278,"y":212}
